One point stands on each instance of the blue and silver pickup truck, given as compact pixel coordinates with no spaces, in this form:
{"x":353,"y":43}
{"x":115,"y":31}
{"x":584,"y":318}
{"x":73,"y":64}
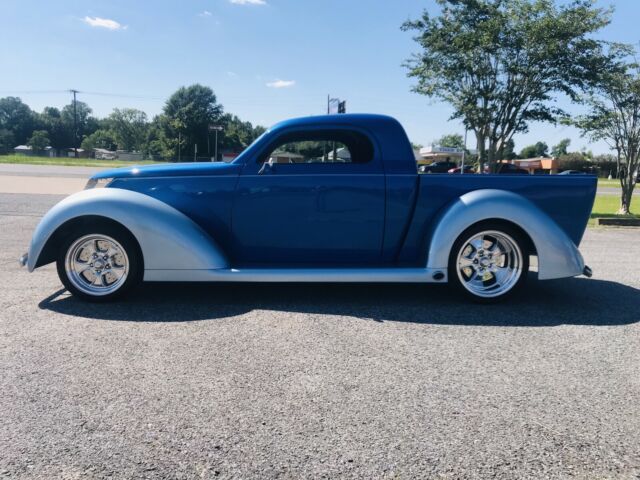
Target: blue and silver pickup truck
{"x":335,"y":198}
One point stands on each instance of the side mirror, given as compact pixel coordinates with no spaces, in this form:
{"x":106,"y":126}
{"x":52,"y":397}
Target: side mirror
{"x":267,"y":167}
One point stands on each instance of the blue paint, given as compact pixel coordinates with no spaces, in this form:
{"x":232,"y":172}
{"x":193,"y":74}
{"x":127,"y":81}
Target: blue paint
{"x":333,"y":214}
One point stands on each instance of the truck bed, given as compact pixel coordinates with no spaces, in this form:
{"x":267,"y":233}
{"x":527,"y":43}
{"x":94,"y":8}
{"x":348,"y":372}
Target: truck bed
{"x":568,"y":200}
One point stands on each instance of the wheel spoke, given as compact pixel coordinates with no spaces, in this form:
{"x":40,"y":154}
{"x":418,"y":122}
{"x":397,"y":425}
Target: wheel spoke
{"x":465,"y":262}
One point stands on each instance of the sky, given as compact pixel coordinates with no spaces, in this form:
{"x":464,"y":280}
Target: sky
{"x":266,"y":60}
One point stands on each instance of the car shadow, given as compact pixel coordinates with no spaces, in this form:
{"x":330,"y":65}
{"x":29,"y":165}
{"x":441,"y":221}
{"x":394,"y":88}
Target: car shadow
{"x":575,"y":301}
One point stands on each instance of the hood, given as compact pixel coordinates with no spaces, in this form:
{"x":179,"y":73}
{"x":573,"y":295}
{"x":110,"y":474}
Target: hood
{"x":171,"y":170}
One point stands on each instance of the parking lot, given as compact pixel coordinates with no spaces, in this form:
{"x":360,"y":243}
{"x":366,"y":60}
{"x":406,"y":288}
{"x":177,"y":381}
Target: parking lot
{"x":307,"y":381}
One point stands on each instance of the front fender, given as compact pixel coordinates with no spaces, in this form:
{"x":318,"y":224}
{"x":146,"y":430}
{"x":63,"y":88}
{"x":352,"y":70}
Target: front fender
{"x":558,"y":256}
{"x":169,"y":240}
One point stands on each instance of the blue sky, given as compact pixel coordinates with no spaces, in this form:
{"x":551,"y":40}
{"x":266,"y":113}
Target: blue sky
{"x":266,"y":59}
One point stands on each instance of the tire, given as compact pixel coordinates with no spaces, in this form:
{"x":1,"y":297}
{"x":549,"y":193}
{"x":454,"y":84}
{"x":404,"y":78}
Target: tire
{"x":100,"y":262}
{"x":489,"y":262}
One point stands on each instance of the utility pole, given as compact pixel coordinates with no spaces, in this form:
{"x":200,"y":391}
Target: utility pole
{"x":215,"y":128}
{"x":464,"y":151}
{"x":75,"y":123}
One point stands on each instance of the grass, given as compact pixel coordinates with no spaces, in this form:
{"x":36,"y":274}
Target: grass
{"x":608,"y":205}
{"x":69,"y":161}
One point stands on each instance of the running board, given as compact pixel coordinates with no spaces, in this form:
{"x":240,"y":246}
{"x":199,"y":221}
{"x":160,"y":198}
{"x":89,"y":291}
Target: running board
{"x":310,"y":275}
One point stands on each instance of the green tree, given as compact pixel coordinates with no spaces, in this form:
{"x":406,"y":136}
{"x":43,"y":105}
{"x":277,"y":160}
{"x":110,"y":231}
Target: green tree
{"x":509,"y":153}
{"x":100,"y":139}
{"x":86,"y":124}
{"x":539,"y":149}
{"x":16,"y":117}
{"x":51,"y":120}
{"x":561,"y":148}
{"x":237,"y":135}
{"x":499,"y":63}
{"x":7,"y":141}
{"x":39,"y":140}
{"x":129,"y":127}
{"x":190,"y":111}
{"x":452,"y":140}
{"x":614,"y":117}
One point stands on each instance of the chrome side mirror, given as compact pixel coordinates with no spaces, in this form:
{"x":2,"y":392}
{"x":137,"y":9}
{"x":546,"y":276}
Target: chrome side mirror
{"x":267,"y":167}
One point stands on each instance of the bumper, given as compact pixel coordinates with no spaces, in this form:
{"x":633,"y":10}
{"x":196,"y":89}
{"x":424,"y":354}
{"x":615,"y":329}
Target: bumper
{"x":23,"y":260}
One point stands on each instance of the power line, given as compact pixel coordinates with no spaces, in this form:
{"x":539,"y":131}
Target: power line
{"x":102,"y":94}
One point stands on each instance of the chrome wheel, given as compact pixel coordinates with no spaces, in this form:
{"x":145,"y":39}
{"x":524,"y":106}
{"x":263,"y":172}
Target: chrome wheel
{"x":489,"y":264}
{"x":96,"y":265}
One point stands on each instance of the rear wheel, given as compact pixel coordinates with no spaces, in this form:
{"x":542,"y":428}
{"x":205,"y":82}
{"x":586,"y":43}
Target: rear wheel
{"x":100,"y":263}
{"x":489,"y":262}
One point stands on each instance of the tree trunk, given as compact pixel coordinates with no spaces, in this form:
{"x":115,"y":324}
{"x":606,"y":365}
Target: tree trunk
{"x":481,"y":145}
{"x":625,"y":200}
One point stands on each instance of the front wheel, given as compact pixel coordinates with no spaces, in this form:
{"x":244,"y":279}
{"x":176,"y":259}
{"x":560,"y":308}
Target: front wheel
{"x":100,"y":263}
{"x":489,"y":262}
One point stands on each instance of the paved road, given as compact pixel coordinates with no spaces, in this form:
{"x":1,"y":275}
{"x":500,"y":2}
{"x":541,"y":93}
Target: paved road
{"x":309,"y":381}
{"x":47,"y":170}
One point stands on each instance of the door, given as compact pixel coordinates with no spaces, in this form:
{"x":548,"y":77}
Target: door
{"x":311,"y":198}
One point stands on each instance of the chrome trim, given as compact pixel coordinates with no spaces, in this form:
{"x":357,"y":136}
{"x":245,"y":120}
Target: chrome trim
{"x":307,"y":275}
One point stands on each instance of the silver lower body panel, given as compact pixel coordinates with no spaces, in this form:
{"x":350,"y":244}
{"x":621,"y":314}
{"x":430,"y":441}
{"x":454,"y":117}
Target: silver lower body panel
{"x":330,"y":275}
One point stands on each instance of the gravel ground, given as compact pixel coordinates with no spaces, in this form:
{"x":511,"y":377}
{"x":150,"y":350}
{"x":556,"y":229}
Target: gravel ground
{"x":319,"y":381}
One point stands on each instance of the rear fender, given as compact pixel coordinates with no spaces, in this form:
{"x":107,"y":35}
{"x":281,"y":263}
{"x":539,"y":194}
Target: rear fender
{"x":558,"y":256}
{"x":169,"y":240}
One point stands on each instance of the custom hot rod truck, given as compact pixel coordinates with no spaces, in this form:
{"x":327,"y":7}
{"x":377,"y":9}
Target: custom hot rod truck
{"x":335,"y":198}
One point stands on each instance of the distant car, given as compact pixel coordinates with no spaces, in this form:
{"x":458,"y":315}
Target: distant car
{"x":467,"y":169}
{"x":437,"y":167}
{"x":508,"y":168}
{"x":572,"y":172}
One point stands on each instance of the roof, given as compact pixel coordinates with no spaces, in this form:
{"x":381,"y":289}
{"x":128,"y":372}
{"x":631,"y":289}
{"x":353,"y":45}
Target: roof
{"x":362,"y":119}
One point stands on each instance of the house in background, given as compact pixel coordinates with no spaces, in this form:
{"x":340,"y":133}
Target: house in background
{"x":26,"y":150}
{"x":82,"y":153}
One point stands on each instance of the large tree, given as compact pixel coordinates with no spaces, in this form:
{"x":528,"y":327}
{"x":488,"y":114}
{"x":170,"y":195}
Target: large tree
{"x":561,"y":148}
{"x":7,"y":141}
{"x":61,"y":135}
{"x":539,"y":149}
{"x":614,"y":117}
{"x":100,"y":139}
{"x":451,"y":140}
{"x":78,"y":120}
{"x":16,"y":117}
{"x":237,"y":135}
{"x":499,"y":63}
{"x":129,"y":127}
{"x":189,"y":112}
{"x":39,"y":140}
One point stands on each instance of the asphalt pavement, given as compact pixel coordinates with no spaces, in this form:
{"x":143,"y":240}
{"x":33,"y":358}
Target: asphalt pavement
{"x":319,"y":381}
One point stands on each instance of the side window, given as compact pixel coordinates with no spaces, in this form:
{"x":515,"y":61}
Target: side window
{"x":339,"y":146}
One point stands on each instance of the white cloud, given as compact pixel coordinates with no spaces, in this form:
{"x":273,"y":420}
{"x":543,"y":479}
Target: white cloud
{"x":103,"y":23}
{"x":206,"y":13}
{"x":232,"y":74}
{"x":281,"y":84}
{"x":249,"y":2}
